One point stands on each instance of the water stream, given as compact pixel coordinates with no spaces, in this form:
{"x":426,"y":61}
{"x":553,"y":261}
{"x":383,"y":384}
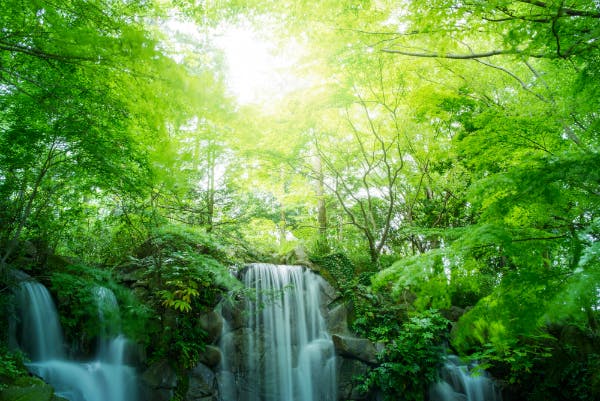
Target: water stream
{"x":282,"y":352}
{"x":38,"y":333}
{"x":459,"y":383}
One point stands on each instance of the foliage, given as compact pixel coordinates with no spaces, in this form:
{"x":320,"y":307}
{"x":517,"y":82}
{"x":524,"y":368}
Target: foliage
{"x":11,"y":366}
{"x":337,"y":268}
{"x":184,"y":278}
{"x":410,"y":362}
{"x":83,"y":315}
{"x":451,"y":145}
{"x":569,"y":362}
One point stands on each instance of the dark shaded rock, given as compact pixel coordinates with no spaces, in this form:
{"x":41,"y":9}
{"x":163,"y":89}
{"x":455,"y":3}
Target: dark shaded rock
{"x":348,"y":370}
{"x":212,"y":324}
{"x":211,"y":356}
{"x":452,"y":313}
{"x":160,"y":375}
{"x":232,"y":312}
{"x":148,"y":394}
{"x":356,"y":348}
{"x":202,"y":384}
{"x":443,"y":391}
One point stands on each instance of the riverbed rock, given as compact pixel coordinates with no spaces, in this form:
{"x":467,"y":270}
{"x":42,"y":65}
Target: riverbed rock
{"x":355,"y":348}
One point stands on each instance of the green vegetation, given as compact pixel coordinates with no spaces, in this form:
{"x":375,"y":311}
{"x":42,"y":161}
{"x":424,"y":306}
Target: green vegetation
{"x":438,"y":155}
{"x":410,"y":363}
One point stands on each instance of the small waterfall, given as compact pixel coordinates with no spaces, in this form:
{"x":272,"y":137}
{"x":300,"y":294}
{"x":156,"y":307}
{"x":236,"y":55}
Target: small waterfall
{"x":39,"y":335}
{"x":283,"y":351}
{"x":458,"y":384}
{"x":42,"y":336}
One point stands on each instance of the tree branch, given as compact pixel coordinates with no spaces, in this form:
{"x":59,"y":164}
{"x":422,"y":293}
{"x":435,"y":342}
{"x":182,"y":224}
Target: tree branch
{"x":564,"y":10}
{"x":457,"y":56}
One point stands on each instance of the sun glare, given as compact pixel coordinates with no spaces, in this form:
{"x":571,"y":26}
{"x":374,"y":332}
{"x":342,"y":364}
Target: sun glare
{"x":258,"y":70}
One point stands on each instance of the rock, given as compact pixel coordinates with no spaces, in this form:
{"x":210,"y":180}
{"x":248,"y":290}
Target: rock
{"x":328,"y":293}
{"x":297,"y":256}
{"x":160,"y":375}
{"x":337,"y":320}
{"x":453,"y":313}
{"x":211,"y":356}
{"x":356,"y":348}
{"x":232,"y":311}
{"x":148,"y":394}
{"x":212,"y":324}
{"x":348,"y":372}
{"x":444,"y":391}
{"x":202,"y":384}
{"x":29,"y":389}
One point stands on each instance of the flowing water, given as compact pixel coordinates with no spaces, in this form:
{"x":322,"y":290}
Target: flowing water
{"x":282,"y":351}
{"x":39,"y":335}
{"x":459,"y":383}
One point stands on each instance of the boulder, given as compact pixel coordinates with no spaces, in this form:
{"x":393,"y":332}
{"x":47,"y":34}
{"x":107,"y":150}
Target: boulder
{"x":297,"y":256}
{"x":232,"y":312}
{"x":160,"y":375}
{"x":337,"y":320}
{"x":329,"y":294}
{"x":211,"y":356}
{"x":348,"y":373}
{"x":202,"y":384}
{"x":212,"y":324}
{"x":29,"y":389}
{"x":355,"y":348}
{"x":452,"y":313}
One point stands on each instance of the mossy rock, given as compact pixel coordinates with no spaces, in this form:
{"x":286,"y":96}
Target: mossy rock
{"x":29,"y":389}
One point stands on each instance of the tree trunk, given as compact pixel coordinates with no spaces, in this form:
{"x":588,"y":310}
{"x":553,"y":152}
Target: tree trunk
{"x":322,"y":242}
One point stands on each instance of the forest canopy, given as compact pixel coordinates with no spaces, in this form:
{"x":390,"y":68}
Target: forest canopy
{"x":448,"y":149}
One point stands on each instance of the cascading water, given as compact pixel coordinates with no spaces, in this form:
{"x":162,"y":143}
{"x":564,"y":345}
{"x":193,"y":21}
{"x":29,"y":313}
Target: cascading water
{"x":39,"y":335}
{"x":458,"y":384}
{"x":282,"y":352}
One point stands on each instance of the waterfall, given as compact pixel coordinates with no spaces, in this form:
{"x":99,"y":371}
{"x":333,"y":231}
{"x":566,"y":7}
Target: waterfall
{"x":42,"y":336}
{"x":282,"y":352}
{"x":39,"y":335}
{"x":458,"y":384}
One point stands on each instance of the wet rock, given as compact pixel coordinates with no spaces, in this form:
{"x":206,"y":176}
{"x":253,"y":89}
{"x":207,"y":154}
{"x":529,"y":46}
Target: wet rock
{"x":212,"y":324}
{"x":337,"y":320}
{"x":211,"y":356}
{"x":29,"y":389}
{"x":202,"y":384}
{"x":355,"y":348}
{"x":328,"y":293}
{"x":160,"y":375}
{"x":348,"y":372}
{"x":148,"y":394}
{"x":232,"y":311}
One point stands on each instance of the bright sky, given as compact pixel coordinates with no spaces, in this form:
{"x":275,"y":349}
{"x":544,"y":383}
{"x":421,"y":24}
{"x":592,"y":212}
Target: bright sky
{"x":258,"y":71}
